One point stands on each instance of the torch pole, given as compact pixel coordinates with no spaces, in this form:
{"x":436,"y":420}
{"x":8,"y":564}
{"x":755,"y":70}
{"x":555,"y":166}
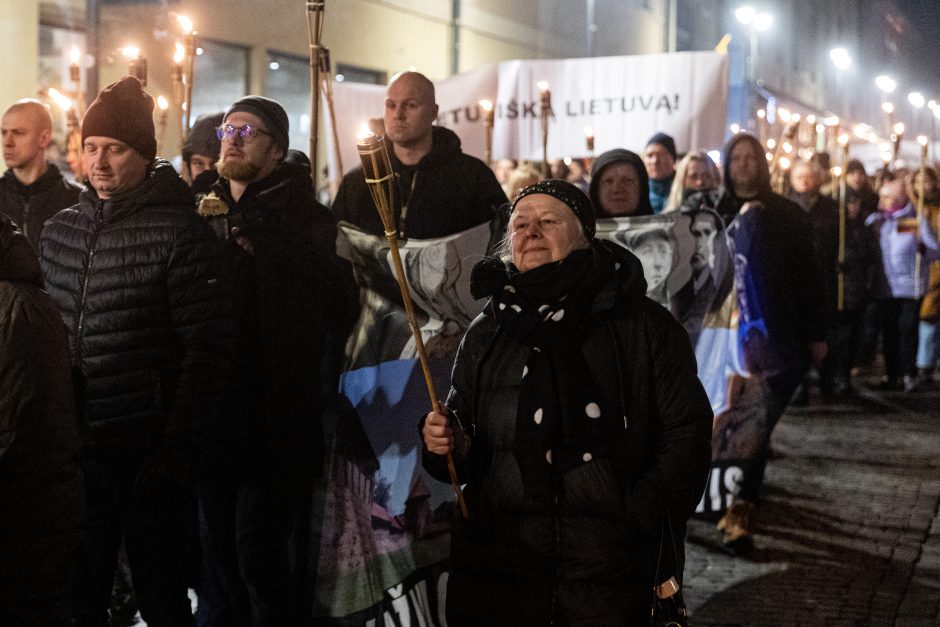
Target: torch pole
{"x":380,"y":178}
{"x":844,"y":158}
{"x":191,"y":53}
{"x":545,"y":111}
{"x":327,"y":82}
{"x":314,"y":32}
{"x":918,"y":258}
{"x":489,"y":115}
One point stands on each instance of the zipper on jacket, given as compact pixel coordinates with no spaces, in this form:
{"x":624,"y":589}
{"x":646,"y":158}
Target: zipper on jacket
{"x":25,"y":225}
{"x":96,"y":223}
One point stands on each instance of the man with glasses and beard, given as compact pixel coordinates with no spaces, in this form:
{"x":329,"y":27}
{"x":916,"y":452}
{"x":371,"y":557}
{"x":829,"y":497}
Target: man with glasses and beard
{"x":262,"y":462}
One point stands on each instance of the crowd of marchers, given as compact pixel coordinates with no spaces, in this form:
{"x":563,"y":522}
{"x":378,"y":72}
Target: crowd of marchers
{"x":169,"y":341}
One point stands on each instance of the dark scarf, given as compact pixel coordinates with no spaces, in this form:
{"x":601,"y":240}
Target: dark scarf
{"x":561,"y":418}
{"x":806,"y":200}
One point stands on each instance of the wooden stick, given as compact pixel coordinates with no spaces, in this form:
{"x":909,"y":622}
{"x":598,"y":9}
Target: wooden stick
{"x":379,"y":176}
{"x":314,"y":30}
{"x":844,"y":153}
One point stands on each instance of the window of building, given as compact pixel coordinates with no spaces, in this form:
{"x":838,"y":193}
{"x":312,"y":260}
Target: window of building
{"x":288,"y":82}
{"x":356,"y":74}
{"x":221,"y":76}
{"x":59,"y":48}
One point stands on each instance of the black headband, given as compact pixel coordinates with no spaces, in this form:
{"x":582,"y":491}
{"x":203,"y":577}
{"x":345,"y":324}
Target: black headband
{"x":567,"y":193}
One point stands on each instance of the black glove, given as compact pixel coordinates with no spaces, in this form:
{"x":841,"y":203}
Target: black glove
{"x":168,"y":469}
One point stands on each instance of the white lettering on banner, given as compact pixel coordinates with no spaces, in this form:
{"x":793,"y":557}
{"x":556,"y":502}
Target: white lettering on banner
{"x":624,"y":99}
{"x":724,"y":482}
{"x":419,"y":600}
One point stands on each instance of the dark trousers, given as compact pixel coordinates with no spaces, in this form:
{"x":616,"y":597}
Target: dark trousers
{"x":780,"y":387}
{"x":899,"y":318}
{"x":246,"y":516}
{"x":845,"y":339}
{"x":36,"y":581}
{"x":155,"y":531}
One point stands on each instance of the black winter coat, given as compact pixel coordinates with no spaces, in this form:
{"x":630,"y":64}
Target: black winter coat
{"x":823,"y":217}
{"x":446,"y":192}
{"x":291,"y":294}
{"x":139,"y":281}
{"x":589,"y":558}
{"x":41,"y":490}
{"x":31,"y":205}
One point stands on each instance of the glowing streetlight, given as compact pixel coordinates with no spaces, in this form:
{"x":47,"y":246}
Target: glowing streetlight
{"x":885,"y":83}
{"x":840,"y":58}
{"x":756,"y":21}
{"x":749,"y":16}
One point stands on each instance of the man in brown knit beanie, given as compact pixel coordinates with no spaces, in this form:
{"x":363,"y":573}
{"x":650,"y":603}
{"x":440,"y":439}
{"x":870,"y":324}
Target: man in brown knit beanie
{"x":139,"y":280}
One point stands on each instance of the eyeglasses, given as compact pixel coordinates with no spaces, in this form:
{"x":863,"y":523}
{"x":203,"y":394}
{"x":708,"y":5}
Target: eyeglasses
{"x":246,"y":133}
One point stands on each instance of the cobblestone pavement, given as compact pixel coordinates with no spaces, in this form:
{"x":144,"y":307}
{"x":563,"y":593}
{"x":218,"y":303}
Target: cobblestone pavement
{"x":849,"y":529}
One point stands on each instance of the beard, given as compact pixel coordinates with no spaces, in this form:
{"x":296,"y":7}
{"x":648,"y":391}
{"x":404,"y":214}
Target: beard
{"x":237,"y":171}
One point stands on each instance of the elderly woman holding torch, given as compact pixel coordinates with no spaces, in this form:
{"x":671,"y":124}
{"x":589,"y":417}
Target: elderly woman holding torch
{"x":578,"y":427}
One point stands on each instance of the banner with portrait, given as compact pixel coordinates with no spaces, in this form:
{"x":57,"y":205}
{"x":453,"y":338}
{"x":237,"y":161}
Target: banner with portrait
{"x":386,"y":538}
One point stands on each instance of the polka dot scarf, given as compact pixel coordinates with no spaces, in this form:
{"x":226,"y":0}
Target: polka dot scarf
{"x":560,"y":419}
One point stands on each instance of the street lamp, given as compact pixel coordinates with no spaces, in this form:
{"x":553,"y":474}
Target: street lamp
{"x":756,"y":21}
{"x":841,"y":59}
{"x":886,"y":84}
{"x":917,"y":101}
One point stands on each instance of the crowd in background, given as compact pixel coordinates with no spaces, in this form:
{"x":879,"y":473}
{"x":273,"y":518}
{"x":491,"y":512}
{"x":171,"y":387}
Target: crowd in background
{"x":205,"y":317}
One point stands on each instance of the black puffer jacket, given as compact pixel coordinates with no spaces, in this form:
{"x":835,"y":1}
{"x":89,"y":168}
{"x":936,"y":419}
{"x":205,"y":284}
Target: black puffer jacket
{"x":139,"y":281}
{"x":41,"y":489}
{"x":446,"y":192}
{"x":31,"y":205}
{"x":588,"y":559}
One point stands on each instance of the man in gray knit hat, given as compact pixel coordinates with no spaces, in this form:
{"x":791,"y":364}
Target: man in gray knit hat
{"x":288,"y":297}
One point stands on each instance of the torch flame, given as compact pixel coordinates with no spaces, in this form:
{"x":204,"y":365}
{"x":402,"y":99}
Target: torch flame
{"x":899,"y":128}
{"x":180,"y":54}
{"x":888,"y":107}
{"x":543,"y":86}
{"x":162,"y":103}
{"x":74,"y":55}
{"x":185,"y":23}
{"x":922,"y":140}
{"x":486,"y":105}
{"x":588,"y":131}
{"x":60,"y":99}
{"x":843,"y":139}
{"x":131,"y":52}
{"x":364,"y":132}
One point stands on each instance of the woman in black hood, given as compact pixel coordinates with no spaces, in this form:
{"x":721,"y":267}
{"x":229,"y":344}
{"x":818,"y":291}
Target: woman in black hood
{"x":615,"y":190}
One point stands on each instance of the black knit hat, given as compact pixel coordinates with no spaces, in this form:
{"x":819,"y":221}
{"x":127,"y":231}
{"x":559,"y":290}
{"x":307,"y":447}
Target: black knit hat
{"x":202,"y":138}
{"x":123,"y":111}
{"x":666,"y":142}
{"x":270,"y":112}
{"x":567,"y":193}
